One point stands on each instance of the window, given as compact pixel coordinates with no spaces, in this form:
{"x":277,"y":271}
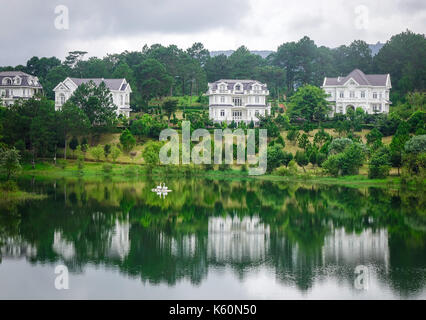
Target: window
{"x":236,"y":115}
{"x":352,"y":94}
{"x":380,"y":95}
{"x":121,"y":100}
{"x":374,"y":95}
{"x":341,"y":94}
{"x":237,"y":102}
{"x":256,"y":99}
{"x":222,"y":88}
{"x":222,"y":99}
{"x":62,"y":98}
{"x":237,"y":87}
{"x":362,"y":94}
{"x":377,"y":107}
{"x":256,"y":113}
{"x":222,"y":113}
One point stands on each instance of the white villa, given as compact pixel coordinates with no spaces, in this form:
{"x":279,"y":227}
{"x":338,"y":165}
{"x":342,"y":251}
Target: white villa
{"x":368,"y":91}
{"x":16,"y":85}
{"x":237,"y":100}
{"x":120,"y":90}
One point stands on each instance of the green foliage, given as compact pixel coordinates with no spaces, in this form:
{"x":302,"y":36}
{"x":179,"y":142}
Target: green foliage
{"x":276,"y":157}
{"x":9,"y":162}
{"x":9,"y":186}
{"x":115,"y":153}
{"x":321,"y":137}
{"x":96,"y":102}
{"x":404,"y":57}
{"x":127,"y":140}
{"x":224,"y":167}
{"x":303,"y":141}
{"x":151,"y":153}
{"x":97,"y":152}
{"x":416,"y":145}
{"x":170,"y":107}
{"x":73,"y":143}
{"x":107,"y":168}
{"x":147,"y":126}
{"x":301,"y":159}
{"x":339,"y":145}
{"x":107,"y":150}
{"x":380,"y":164}
{"x":293,"y":135}
{"x":347,"y":162}
{"x":309,"y":102}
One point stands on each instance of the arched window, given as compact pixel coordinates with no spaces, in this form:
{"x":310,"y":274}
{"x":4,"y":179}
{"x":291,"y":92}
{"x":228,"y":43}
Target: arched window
{"x":7,"y":81}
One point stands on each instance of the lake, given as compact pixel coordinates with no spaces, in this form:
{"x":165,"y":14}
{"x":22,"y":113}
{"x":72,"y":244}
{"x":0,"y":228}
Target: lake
{"x":213,"y":239}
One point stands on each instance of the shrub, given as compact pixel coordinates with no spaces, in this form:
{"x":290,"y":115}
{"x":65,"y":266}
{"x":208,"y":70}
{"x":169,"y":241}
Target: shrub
{"x":97,"y":152}
{"x":301,"y":159}
{"x":131,"y":171}
{"x":379,"y":164}
{"x":61,"y":163}
{"x":107,"y":168}
{"x":224,"y":167}
{"x":10,"y":186}
{"x":127,"y":140}
{"x":339,"y":145}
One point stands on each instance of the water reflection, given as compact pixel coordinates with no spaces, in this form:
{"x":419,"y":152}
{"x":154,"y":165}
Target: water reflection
{"x":302,"y":235}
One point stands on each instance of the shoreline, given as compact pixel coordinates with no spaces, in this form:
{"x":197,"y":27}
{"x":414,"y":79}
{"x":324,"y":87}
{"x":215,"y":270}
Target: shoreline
{"x":128,"y":172}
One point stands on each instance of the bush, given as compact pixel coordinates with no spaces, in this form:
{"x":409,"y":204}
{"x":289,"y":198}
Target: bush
{"x":131,"y":171}
{"x":379,"y":164}
{"x":339,"y":145}
{"x":10,"y":186}
{"x":301,"y":159}
{"x":347,"y":162}
{"x":107,"y":168}
{"x":61,"y":164}
{"x":331,"y":165}
{"x":224,"y":167}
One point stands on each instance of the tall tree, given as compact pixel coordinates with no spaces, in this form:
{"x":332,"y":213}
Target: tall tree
{"x":96,"y":102}
{"x":72,"y":121}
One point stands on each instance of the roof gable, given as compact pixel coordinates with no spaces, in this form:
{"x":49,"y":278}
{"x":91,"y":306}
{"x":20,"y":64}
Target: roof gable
{"x":362,"y":79}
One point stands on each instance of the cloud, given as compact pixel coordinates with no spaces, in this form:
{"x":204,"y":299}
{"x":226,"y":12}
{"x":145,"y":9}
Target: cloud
{"x":106,"y":26}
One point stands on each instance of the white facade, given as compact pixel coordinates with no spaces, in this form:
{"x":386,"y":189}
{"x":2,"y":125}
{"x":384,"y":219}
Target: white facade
{"x":370,"y":92}
{"x":16,"y":85}
{"x":120,"y":91}
{"x":238,"y":101}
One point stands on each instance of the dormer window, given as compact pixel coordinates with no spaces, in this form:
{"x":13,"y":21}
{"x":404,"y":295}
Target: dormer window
{"x":17,"y":80}
{"x":237,"y":87}
{"x":7,"y":81}
{"x":222,"y":88}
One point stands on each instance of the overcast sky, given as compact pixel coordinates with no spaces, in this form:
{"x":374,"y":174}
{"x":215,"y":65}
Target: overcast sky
{"x":27,"y":27}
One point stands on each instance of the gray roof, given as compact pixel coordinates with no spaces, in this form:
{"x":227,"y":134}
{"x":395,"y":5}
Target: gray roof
{"x":231,"y":82}
{"x":24,"y":76}
{"x":112,"y":84}
{"x":377,"y":80}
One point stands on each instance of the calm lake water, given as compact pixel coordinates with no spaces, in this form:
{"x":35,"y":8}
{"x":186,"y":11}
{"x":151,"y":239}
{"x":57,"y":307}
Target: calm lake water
{"x":211,"y":239}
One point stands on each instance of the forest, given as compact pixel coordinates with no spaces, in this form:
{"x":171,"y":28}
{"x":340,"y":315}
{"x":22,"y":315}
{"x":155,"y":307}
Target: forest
{"x":159,"y":71}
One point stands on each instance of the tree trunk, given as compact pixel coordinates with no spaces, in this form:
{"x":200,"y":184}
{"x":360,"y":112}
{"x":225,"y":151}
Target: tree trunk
{"x":65,"y":150}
